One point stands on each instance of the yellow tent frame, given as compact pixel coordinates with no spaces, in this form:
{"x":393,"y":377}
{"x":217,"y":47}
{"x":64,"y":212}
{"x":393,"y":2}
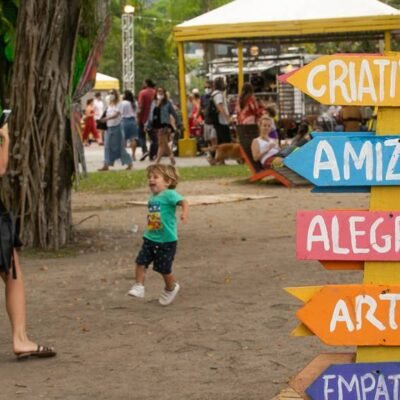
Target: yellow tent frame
{"x":333,"y":29}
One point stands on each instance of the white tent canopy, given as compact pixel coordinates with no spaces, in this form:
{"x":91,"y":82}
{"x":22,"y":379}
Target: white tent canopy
{"x":248,"y":11}
{"x":243,"y":19}
{"x":105,"y":82}
{"x":284,"y":22}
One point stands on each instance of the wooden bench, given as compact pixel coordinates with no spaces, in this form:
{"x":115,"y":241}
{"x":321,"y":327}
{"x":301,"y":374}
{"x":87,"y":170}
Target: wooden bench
{"x":284,"y":175}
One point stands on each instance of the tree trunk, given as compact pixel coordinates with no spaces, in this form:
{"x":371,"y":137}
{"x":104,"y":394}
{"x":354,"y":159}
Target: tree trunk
{"x":39,"y":181}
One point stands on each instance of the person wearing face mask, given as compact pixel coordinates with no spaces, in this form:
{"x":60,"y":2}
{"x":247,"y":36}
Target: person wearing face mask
{"x":159,"y":123}
{"x":224,"y":119}
{"x":114,"y":141}
{"x":209,"y":132}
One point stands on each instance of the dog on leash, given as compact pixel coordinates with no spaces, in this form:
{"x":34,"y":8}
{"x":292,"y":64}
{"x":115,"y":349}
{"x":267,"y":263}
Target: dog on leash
{"x":225,"y":151}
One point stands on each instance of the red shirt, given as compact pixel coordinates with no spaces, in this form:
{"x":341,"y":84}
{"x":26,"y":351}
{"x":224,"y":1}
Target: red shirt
{"x":146,"y":96}
{"x":250,"y":113}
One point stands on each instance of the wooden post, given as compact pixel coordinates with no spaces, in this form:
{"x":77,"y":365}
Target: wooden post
{"x":383,"y":199}
{"x":240,"y":67}
{"x":186,"y":146}
{"x":388,"y":41}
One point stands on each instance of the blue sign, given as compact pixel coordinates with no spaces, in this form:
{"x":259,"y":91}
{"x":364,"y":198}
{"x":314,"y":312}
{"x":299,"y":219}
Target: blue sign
{"x":360,"y":381}
{"x":348,"y":159}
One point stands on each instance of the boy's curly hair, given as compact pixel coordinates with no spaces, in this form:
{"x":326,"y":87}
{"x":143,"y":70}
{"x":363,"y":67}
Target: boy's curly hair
{"x":168,"y":172}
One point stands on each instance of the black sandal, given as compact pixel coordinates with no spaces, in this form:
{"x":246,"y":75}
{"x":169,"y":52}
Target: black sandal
{"x":41,"y":352}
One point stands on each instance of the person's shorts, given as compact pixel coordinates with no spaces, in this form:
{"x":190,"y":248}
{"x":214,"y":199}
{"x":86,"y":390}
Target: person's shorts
{"x":160,"y":254}
{"x":209,"y":132}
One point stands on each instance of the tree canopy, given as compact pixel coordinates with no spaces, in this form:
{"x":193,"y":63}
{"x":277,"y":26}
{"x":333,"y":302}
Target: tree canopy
{"x":155,"y":50}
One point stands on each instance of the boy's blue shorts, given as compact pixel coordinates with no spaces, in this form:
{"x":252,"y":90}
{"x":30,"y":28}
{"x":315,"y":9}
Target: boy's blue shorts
{"x":160,"y":254}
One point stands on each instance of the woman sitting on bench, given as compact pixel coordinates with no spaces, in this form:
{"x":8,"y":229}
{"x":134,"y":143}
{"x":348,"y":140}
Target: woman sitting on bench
{"x":265,"y":149}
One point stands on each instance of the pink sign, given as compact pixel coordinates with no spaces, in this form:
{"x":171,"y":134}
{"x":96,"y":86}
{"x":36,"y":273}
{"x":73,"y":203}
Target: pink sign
{"x":348,"y":235}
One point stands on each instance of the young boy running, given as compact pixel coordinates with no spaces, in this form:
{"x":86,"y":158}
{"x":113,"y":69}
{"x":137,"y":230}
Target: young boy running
{"x":161,"y":236}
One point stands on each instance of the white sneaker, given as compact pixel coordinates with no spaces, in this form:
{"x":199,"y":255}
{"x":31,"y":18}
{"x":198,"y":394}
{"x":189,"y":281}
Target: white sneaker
{"x":137,"y":290}
{"x":167,"y":297}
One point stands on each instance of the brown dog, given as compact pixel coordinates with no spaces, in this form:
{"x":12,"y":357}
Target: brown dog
{"x":226,"y":151}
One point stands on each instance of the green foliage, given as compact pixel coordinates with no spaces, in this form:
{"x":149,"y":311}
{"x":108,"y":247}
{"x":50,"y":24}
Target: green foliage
{"x":115,"y":181}
{"x":8,"y":21}
{"x":155,"y":49}
{"x":87,"y":36}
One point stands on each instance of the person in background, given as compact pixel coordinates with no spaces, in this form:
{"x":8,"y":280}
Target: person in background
{"x":271,"y":111}
{"x":351,"y":118}
{"x":264,"y":149}
{"x":159,"y":122}
{"x":325,"y":121}
{"x":195,"y":118}
{"x":224,"y":119}
{"x":161,"y":236}
{"x":128,"y":121}
{"x":209,"y":132}
{"x":247,"y":110}
{"x":90,"y":124}
{"x":98,"y":113}
{"x":23,"y":347}
{"x":145,"y":98}
{"x":114,"y":144}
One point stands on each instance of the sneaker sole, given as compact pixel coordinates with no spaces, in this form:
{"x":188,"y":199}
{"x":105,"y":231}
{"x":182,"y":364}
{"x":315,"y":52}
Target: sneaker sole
{"x":171,"y":299}
{"x":135,"y":295}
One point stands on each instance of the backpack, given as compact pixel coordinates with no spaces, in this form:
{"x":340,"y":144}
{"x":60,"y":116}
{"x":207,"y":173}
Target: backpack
{"x":211,"y":112}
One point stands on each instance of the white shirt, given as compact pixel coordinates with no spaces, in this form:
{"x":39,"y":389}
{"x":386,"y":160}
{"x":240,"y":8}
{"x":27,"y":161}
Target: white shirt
{"x":111,"y":110}
{"x":127,"y":110}
{"x":98,"y":106}
{"x":263,"y":145}
{"x":219,"y":98}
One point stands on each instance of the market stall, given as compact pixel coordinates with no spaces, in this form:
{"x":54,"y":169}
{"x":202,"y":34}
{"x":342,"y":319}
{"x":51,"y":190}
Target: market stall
{"x":287,"y":22}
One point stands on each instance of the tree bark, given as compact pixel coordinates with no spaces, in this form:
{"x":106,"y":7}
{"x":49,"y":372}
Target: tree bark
{"x":38,"y":185}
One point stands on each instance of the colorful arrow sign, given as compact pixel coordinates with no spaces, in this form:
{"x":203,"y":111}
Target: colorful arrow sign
{"x":350,"y":315}
{"x":348,"y":235}
{"x":315,"y":368}
{"x":348,"y":160}
{"x":364,"y":381}
{"x":357,"y":79}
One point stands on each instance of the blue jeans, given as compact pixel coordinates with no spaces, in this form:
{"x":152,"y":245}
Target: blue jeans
{"x":129,"y":128}
{"x":114,"y":147}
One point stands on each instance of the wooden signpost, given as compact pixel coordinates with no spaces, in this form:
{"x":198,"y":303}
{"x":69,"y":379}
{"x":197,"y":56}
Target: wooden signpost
{"x":348,"y":160}
{"x":351,"y":79}
{"x":348,"y":235}
{"x":313,"y":369}
{"x":350,"y":315}
{"x":365,"y":315}
{"x":366,"y":381}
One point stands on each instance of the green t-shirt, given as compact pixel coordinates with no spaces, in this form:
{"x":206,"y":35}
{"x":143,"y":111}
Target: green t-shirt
{"x":161,"y":220}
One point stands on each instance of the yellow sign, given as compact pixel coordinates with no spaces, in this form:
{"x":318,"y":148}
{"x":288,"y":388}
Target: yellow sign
{"x":354,"y":79}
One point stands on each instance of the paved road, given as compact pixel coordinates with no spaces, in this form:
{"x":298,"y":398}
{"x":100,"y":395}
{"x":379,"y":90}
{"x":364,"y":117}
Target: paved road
{"x":94,"y":156}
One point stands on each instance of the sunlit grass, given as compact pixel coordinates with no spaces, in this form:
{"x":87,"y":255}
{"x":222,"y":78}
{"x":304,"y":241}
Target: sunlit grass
{"x":116,"y":181}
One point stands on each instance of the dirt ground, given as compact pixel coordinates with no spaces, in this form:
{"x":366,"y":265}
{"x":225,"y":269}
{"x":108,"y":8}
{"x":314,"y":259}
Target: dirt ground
{"x":227,"y":335}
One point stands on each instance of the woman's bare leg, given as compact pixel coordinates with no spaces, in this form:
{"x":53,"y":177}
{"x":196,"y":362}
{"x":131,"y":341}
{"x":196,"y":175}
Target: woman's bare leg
{"x":162,"y":146}
{"x":133,"y":147}
{"x":16,"y":310}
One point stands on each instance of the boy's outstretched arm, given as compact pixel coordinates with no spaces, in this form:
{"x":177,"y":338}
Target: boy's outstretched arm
{"x":185,"y":210}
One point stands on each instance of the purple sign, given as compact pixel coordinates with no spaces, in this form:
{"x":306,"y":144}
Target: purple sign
{"x":359,"y":381}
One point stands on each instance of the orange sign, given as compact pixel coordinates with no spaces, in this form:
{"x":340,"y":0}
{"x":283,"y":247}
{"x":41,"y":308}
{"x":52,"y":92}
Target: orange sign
{"x":350,"y":315}
{"x":356,"y":79}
